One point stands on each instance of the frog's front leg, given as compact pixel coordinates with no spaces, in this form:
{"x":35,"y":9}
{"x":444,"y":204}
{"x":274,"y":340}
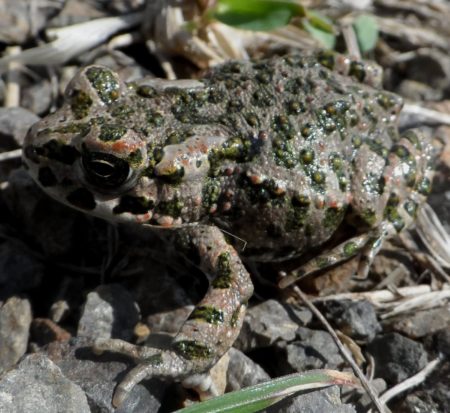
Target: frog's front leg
{"x":211,"y":328}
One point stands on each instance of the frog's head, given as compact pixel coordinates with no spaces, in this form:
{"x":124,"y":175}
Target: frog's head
{"x":85,"y":155}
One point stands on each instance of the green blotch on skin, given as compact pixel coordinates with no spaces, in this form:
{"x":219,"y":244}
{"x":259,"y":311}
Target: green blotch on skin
{"x":392,"y":214}
{"x":111,"y":133}
{"x":387,"y":100}
{"x":58,"y":151}
{"x":210,"y":192}
{"x":322,"y":262}
{"x":192,"y":350}
{"x":333,"y":217}
{"x":154,"y":118}
{"x":369,"y":216}
{"x":146,"y":91}
{"x":327,"y":59}
{"x":135,"y":158}
{"x":235,"y":317}
{"x":171,"y":208}
{"x":105,"y":84}
{"x":208,"y":314}
{"x":350,"y":249}
{"x":357,"y":70}
{"x":411,"y":208}
{"x":80,"y":103}
{"x":174,"y":175}
{"x":284,"y":153}
{"x":413,"y":138}
{"x":307,"y":156}
{"x":424,"y":186}
{"x":79,"y":128}
{"x":133,"y":205}
{"x":224,"y":271}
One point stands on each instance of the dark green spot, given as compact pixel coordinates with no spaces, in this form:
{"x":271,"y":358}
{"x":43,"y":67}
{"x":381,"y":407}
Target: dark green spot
{"x":80,"y":103}
{"x":192,"y":350}
{"x":111,"y":133}
{"x":224,"y":272}
{"x":209,"y":314}
{"x":105,"y":84}
{"x":350,"y":249}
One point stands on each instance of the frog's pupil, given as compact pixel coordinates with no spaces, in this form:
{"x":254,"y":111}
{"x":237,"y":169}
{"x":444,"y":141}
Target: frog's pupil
{"x":105,"y":170}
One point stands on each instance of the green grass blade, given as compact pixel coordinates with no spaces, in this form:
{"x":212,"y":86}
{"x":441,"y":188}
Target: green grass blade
{"x":260,"y":15}
{"x":260,"y":396}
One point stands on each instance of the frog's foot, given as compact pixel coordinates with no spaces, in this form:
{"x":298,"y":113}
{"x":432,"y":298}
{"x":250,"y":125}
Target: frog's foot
{"x":152,"y":362}
{"x":340,"y":253}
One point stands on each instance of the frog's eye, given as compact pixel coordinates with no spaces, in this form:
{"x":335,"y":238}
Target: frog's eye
{"x":105,"y":170}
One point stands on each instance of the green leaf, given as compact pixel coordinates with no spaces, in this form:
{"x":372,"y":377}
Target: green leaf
{"x":327,"y":39}
{"x":366,"y":29}
{"x":262,"y":15}
{"x":260,"y":396}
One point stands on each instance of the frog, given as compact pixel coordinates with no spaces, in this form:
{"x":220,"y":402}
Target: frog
{"x":260,"y":160}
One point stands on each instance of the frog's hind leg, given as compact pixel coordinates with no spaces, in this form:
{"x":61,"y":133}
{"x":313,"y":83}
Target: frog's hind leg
{"x":211,"y":328}
{"x":389,"y":194}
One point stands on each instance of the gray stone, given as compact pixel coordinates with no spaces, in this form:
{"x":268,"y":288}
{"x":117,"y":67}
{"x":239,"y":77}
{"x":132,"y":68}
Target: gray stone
{"x":265,"y":324}
{"x":421,"y":323}
{"x":397,"y":357}
{"x":356,"y":319}
{"x":98,"y":376}
{"x":243,"y":371}
{"x":14,"y":124}
{"x":109,"y":312}
{"x":414,"y":404}
{"x":314,"y":349}
{"x":37,"y":385}
{"x":15,"y":320}
{"x":19,"y":21}
{"x":326,"y":400}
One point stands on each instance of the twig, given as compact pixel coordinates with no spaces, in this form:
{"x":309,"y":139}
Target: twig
{"x":345,"y":353}
{"x":410,"y":382}
{"x":12,"y":95}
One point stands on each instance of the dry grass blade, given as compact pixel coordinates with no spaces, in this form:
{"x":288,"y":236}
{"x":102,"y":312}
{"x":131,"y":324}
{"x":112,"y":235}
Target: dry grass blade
{"x":5,"y":156}
{"x":344,"y":352}
{"x":413,"y":381}
{"x":433,"y":234}
{"x":72,"y":41}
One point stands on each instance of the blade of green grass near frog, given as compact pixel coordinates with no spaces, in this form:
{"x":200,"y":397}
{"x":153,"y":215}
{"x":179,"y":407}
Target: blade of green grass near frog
{"x":260,"y":396}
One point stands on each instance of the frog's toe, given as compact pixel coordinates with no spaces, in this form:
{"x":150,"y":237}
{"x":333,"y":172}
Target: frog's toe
{"x":152,"y":362}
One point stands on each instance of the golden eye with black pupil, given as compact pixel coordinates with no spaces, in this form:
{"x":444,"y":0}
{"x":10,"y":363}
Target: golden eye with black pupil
{"x":105,"y":170}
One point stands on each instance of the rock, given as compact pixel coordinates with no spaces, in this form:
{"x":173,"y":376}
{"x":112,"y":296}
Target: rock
{"x":265,"y":324}
{"x":37,"y":385}
{"x":421,"y":323}
{"x":243,"y":371}
{"x":313,"y":349}
{"x":356,"y":319}
{"x":19,"y":21}
{"x":14,"y":124}
{"x":326,"y":400}
{"x":15,"y":319}
{"x":414,"y":404}
{"x":300,"y":315}
{"x":109,"y":312}
{"x":38,"y":97}
{"x":442,"y":340}
{"x":99,"y":375}
{"x":397,"y":357}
